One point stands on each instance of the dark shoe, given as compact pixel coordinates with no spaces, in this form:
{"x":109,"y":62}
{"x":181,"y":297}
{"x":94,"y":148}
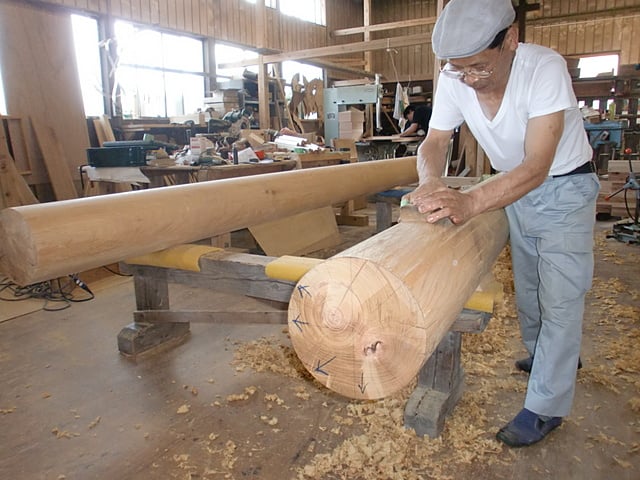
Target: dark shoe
{"x":525,"y":364}
{"x":526,"y":429}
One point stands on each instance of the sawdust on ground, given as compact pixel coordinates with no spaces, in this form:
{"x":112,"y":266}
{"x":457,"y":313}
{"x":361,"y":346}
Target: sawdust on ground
{"x":367,"y":439}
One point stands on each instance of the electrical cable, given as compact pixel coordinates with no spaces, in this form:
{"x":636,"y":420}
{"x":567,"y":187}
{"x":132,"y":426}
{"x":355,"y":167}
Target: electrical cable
{"x":51,"y":292}
{"x":632,"y":216}
{"x":111,"y":270}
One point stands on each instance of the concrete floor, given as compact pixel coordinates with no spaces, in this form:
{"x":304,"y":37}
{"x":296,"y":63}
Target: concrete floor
{"x":71,"y":407}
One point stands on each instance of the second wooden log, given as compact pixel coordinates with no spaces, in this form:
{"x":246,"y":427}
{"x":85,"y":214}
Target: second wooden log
{"x":46,"y":241}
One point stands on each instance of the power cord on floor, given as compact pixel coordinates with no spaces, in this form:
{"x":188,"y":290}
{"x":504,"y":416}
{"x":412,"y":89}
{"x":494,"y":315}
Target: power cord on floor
{"x":110,"y":270}
{"x":51,"y":292}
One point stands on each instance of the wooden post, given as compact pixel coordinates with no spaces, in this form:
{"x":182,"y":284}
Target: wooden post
{"x":54,"y":239}
{"x":263,"y":96}
{"x":364,"y":322}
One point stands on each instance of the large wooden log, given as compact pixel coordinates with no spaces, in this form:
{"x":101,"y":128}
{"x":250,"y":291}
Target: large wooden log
{"x":365,"y":321}
{"x":41,"y":242}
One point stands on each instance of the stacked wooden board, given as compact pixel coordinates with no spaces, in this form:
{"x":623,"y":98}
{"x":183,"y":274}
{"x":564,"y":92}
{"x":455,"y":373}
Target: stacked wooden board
{"x":351,"y":124}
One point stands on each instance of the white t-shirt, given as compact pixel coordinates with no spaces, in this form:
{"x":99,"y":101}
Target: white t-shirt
{"x":539,"y":84}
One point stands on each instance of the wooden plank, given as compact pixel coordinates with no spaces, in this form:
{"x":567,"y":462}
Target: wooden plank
{"x":379,"y":44}
{"x":188,"y":16}
{"x":192,"y":7}
{"x":163,"y":13}
{"x":125,"y":6}
{"x":106,"y":128}
{"x":32,"y":37}
{"x":18,"y":144}
{"x":218,"y":317}
{"x":54,"y":160}
{"x":145,"y":11}
{"x":135,"y":10}
{"x":222,"y":18}
{"x":260,"y":29}
{"x":299,"y":234}
{"x":154,"y":12}
{"x":180,"y":25}
{"x":14,"y":191}
{"x":100,"y":133}
{"x":401,"y":24}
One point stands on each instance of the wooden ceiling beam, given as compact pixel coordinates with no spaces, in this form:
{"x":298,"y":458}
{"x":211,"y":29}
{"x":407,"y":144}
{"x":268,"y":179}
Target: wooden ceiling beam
{"x":339,"y":67}
{"x":414,"y":22}
{"x":379,"y":44}
{"x":584,"y":17}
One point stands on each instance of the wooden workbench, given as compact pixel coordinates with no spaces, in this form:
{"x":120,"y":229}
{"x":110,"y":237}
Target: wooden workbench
{"x":383,"y":146}
{"x":179,"y":175}
{"x":323,"y":159}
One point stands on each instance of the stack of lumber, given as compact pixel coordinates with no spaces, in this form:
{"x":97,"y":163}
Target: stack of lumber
{"x":351,"y":124}
{"x":14,"y":191}
{"x":618,"y":172}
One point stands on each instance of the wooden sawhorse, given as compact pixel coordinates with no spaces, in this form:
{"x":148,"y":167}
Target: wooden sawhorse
{"x":440,"y":381}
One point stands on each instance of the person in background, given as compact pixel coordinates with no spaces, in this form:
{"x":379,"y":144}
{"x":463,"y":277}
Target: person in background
{"x":518,"y":102}
{"x":417,"y":120}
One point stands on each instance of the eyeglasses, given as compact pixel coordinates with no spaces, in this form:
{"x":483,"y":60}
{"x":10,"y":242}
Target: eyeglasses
{"x":460,"y":73}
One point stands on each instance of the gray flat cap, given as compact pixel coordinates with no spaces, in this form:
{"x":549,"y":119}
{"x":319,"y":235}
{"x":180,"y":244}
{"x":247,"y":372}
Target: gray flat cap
{"x":467,"y":27}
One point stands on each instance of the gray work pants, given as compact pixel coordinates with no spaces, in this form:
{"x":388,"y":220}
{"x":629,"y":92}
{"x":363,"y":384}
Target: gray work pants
{"x":551,"y":235}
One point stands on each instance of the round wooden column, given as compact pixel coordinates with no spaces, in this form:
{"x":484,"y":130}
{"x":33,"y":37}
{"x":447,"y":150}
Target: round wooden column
{"x":366,"y":320}
{"x":45,"y":241}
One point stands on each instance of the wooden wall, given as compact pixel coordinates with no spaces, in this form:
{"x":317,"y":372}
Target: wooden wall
{"x":41,"y":82}
{"x":412,"y":63}
{"x":588,"y":27}
{"x":569,"y":26}
{"x":226,"y":20}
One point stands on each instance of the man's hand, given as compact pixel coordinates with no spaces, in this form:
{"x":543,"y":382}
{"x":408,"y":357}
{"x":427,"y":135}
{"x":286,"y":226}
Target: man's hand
{"x":436,"y":201}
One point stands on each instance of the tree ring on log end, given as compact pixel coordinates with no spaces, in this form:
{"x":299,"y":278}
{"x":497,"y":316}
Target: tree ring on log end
{"x":357,"y":328}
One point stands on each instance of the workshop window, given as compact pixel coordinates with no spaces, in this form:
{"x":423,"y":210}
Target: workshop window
{"x":228,"y":54}
{"x":268,"y":3}
{"x":87,"y":47}
{"x":3,"y":102}
{"x":158,"y":74}
{"x":598,"y":65}
{"x":308,"y":10}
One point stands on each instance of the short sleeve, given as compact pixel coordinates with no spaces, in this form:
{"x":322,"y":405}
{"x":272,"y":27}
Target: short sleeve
{"x":553,"y":90}
{"x":445,"y":114}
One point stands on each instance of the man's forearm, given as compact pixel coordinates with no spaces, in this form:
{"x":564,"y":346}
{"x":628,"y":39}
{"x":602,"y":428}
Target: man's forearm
{"x":432,"y":156}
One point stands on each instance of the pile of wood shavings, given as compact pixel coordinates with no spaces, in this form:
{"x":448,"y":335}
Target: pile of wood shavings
{"x":618,"y":324}
{"x":268,"y":355}
{"x":385,"y":449}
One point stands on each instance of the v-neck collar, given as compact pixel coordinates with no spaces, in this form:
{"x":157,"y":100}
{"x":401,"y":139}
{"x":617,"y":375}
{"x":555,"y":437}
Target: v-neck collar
{"x":502,"y":108}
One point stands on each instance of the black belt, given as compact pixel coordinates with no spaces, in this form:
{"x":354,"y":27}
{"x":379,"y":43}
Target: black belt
{"x":584,"y":168}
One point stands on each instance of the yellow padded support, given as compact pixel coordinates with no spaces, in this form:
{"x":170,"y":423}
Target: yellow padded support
{"x":481,"y":301}
{"x":180,"y":257}
{"x":290,"y":268}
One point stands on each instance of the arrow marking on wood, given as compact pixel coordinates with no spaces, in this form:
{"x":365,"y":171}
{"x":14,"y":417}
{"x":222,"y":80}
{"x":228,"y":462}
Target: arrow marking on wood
{"x":362,"y":386}
{"x":302,"y":289}
{"x":319,"y":366}
{"x":297,"y":322}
